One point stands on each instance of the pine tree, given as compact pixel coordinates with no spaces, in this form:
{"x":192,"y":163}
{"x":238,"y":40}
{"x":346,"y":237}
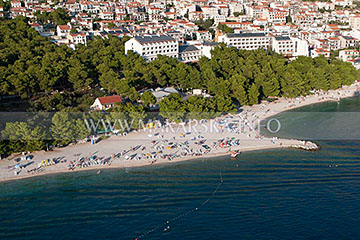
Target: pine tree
{"x":63,"y":128}
{"x":253,"y":94}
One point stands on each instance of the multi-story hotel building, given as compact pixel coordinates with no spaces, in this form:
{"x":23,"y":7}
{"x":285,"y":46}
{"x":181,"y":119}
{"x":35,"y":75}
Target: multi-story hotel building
{"x":150,"y":46}
{"x":246,"y":41}
{"x":189,"y":53}
{"x":283,"y":45}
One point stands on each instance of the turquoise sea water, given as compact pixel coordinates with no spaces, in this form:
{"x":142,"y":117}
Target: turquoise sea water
{"x":272,"y":194}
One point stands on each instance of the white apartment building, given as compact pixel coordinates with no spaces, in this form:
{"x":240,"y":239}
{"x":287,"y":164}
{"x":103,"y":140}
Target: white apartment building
{"x":203,"y":36}
{"x":149,"y":47}
{"x":275,"y":16}
{"x":354,"y":22}
{"x":210,"y":10}
{"x":206,"y":48}
{"x":218,"y":19}
{"x":301,"y":47}
{"x":283,"y":45}
{"x":349,"y":54}
{"x":348,"y":41}
{"x":246,"y":41}
{"x":334,"y":43}
{"x":254,"y":11}
{"x":189,"y":53}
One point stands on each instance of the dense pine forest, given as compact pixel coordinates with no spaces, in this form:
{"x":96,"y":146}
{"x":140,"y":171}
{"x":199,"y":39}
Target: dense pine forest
{"x":56,"y":78}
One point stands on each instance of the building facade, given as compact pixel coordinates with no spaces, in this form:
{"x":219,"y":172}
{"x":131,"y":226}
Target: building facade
{"x":189,"y":53}
{"x":149,"y":47}
{"x":283,"y":45}
{"x":246,"y":41}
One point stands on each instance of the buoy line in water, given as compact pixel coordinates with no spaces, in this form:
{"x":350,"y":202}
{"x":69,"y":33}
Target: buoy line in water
{"x":166,"y":224}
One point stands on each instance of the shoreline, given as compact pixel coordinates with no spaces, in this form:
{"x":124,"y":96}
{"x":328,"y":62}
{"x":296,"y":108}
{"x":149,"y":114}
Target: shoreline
{"x":117,"y":143}
{"x":215,"y":155}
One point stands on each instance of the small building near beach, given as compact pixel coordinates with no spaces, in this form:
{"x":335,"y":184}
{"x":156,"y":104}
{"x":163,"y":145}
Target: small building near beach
{"x":159,"y":94}
{"x":104,"y":103}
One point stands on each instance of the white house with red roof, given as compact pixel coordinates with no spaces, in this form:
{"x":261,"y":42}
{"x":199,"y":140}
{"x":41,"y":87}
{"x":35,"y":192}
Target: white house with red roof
{"x":63,"y":30}
{"x":104,"y":103}
{"x":19,"y":11}
{"x":39,"y":28}
{"x":15,"y":4}
{"x":318,"y":52}
{"x":76,"y":38}
{"x":223,"y":10}
{"x":107,"y":15}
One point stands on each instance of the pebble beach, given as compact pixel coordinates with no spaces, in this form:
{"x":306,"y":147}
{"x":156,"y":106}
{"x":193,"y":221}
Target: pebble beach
{"x":173,"y":143}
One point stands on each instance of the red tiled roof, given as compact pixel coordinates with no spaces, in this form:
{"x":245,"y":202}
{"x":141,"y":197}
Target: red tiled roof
{"x":110,"y":99}
{"x":64,"y":27}
{"x":77,"y":34}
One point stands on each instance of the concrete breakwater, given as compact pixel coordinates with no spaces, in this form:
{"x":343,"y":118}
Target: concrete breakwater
{"x":306,"y":145}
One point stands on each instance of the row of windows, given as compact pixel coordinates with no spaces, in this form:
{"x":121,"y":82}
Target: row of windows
{"x":251,"y":47}
{"x":246,"y":39}
{"x":158,"y":43}
{"x":285,"y":46}
{"x":190,"y":54}
{"x":250,"y":43}
{"x":285,"y":42}
{"x":194,"y":58}
{"x":153,"y":58}
{"x":160,"y":47}
{"x":160,"y":52}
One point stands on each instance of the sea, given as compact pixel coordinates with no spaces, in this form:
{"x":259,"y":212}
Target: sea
{"x":272,"y":194}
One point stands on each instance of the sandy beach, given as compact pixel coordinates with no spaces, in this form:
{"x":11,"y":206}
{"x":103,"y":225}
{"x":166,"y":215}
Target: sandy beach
{"x":173,"y":143}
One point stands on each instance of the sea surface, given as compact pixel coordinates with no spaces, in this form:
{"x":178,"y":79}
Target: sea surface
{"x":272,"y":194}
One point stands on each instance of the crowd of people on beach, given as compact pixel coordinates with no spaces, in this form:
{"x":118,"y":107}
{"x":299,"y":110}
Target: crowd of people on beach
{"x":160,"y":149}
{"x":186,"y":144}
